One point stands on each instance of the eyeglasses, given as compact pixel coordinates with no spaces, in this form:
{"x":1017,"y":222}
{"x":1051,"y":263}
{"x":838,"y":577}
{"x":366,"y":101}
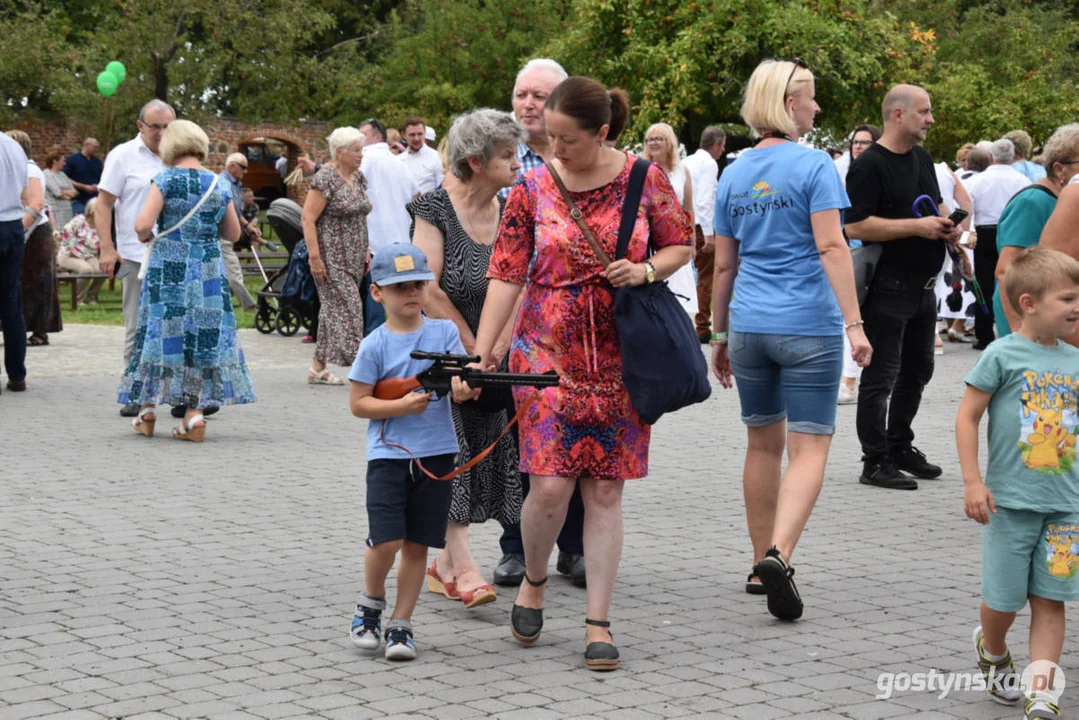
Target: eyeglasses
{"x":862,"y":142}
{"x":242,"y":167}
{"x":798,"y":63}
{"x":155,"y":127}
{"x":654,"y":139}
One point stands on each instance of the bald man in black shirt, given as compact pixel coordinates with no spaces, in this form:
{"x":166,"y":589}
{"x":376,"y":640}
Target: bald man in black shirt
{"x":900,"y":311}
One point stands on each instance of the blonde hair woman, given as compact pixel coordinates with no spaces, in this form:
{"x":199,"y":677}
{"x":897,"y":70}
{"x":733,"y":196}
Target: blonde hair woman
{"x":335,"y":230}
{"x":778,"y":222}
{"x":661,"y":147}
{"x":186,"y":350}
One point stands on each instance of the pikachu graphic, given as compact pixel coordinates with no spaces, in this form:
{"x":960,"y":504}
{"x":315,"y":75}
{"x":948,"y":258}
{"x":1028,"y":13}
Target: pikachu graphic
{"x":1060,"y":558}
{"x":1049,"y":436}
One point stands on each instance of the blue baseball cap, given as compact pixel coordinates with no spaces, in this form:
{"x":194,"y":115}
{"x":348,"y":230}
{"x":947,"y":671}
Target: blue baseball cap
{"x":399,"y":263}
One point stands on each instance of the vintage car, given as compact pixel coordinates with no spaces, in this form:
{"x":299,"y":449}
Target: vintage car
{"x":262,"y":174}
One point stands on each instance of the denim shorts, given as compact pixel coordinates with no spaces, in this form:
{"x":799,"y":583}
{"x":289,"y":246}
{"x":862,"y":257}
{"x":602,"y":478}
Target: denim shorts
{"x":1029,"y":553}
{"x":791,"y":377}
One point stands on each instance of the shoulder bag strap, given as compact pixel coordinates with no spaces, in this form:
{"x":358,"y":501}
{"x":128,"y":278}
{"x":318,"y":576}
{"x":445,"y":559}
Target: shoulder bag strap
{"x":190,"y":214}
{"x":578,"y":217}
{"x":632,"y":202}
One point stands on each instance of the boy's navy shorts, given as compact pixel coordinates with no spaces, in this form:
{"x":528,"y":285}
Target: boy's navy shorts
{"x":404,"y":504}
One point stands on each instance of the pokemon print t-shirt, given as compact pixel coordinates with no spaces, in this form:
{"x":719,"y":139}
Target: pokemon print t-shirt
{"x":1032,"y":423}
{"x":764,"y":201}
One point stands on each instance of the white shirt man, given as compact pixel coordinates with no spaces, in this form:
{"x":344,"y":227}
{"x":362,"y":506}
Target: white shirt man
{"x":390,"y":187}
{"x":124,"y":186}
{"x":13,"y":180}
{"x":704,"y":174}
{"x":13,"y":174}
{"x":423,"y":163}
{"x":991,"y":190}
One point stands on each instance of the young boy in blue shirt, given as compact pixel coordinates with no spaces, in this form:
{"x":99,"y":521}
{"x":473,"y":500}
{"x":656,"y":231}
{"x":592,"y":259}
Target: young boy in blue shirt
{"x":407,"y":511}
{"x":1029,"y":500}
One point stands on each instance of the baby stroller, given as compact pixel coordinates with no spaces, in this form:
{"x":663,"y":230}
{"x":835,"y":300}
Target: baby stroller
{"x":285,"y":306}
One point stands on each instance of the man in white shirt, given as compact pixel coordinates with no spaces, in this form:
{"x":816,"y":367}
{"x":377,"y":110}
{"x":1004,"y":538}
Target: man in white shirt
{"x":124,"y":186}
{"x":13,"y":180}
{"x":989,"y":192}
{"x":422,"y":162}
{"x":704,"y":174}
{"x":390,"y":188}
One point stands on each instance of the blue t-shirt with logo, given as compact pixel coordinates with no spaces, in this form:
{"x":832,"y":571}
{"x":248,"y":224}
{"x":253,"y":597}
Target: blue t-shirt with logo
{"x":764,"y":201}
{"x":1032,"y":423}
{"x":385,"y":354}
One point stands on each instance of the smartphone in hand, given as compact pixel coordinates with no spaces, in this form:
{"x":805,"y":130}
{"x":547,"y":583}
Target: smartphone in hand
{"x":958,"y":216}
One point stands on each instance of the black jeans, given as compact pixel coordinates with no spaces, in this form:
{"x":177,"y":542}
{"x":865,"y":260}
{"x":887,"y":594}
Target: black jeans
{"x":900,"y":322}
{"x":985,"y":271}
{"x":570,"y":539}
{"x":11,"y":250}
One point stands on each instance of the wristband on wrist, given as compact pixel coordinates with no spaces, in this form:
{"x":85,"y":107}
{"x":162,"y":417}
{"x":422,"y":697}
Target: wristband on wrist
{"x":719,"y":338}
{"x":856,"y":323}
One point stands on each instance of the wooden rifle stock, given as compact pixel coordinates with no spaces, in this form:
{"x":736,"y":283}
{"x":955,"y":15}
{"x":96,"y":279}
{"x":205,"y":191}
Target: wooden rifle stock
{"x":395,"y":388}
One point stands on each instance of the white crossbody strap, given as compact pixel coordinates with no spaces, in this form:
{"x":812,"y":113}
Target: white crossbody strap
{"x":177,"y":226}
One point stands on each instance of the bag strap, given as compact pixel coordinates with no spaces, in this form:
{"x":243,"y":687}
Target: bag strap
{"x":632,"y":202}
{"x":191,"y":212}
{"x":578,"y":217}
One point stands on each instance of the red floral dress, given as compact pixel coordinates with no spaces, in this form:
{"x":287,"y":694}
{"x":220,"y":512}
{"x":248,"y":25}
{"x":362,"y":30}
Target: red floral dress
{"x":586,"y":427}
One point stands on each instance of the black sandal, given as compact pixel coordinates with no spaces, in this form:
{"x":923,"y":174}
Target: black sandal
{"x":601,"y":656}
{"x":784,"y":600}
{"x":527,"y":623}
{"x":755,"y":588}
{"x":37,"y":340}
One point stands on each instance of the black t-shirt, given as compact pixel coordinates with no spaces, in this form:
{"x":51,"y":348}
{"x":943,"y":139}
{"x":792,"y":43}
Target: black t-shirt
{"x":885,"y":184}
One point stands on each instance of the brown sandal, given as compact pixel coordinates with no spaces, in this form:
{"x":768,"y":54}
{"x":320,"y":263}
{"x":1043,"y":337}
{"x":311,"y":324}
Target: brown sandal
{"x":189,"y":431}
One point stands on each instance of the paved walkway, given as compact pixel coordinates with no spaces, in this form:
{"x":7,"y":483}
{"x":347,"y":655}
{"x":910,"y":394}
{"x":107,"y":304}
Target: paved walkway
{"x":155,"y":579}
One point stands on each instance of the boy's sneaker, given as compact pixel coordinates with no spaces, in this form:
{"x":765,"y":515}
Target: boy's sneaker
{"x":399,"y":643}
{"x":1041,"y":710}
{"x":1002,"y":682}
{"x":366,"y":630}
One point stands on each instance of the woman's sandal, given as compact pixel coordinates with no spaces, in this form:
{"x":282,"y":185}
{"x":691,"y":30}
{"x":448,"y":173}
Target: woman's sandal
{"x":189,"y":431}
{"x":37,"y":340}
{"x":601,"y":656}
{"x":527,"y":623}
{"x":436,"y":584}
{"x":784,"y":600}
{"x":478,"y":596}
{"x":755,"y":588}
{"x":145,"y":425}
{"x":323,"y":378}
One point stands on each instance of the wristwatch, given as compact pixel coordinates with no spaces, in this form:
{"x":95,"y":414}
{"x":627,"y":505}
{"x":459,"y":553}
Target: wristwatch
{"x":649,"y":272}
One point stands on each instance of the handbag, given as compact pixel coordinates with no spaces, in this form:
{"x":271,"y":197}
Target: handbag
{"x":663,"y":367}
{"x":865,"y":259}
{"x":183,"y":221}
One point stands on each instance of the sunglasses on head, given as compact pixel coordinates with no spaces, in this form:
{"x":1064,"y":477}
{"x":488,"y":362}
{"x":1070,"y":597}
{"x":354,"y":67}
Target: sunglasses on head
{"x":798,"y":63}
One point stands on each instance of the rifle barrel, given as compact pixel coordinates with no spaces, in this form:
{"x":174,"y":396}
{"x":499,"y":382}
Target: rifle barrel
{"x":548,"y":379}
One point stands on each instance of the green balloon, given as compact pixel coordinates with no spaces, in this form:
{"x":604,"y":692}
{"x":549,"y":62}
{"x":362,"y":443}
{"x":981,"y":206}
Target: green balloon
{"x":117,"y":69}
{"x":107,"y":83}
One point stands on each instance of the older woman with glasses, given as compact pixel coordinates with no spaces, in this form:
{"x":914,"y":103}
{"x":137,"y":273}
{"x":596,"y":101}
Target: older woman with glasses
{"x":335,"y":231}
{"x":778,"y":222}
{"x":456,"y":228}
{"x":1024,"y":222}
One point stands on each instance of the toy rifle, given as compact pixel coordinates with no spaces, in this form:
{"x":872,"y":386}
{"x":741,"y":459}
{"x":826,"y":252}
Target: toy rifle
{"x":438,"y":379}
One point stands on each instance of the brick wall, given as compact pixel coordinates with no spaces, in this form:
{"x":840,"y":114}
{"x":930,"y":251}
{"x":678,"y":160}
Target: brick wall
{"x":49,"y":132}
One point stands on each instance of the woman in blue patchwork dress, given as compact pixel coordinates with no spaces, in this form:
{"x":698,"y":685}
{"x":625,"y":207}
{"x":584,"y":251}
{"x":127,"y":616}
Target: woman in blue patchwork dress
{"x":186,"y":348}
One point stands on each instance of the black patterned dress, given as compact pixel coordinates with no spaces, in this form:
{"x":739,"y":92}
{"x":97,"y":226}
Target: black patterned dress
{"x":492,"y":489}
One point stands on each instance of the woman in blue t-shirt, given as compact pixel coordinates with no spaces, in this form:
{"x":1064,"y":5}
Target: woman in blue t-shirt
{"x":778,"y":222}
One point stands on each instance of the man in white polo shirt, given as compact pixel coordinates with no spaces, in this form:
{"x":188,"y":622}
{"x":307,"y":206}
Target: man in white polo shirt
{"x":390,"y":187}
{"x":13,"y":180}
{"x":423,"y":163}
{"x":124,"y":186}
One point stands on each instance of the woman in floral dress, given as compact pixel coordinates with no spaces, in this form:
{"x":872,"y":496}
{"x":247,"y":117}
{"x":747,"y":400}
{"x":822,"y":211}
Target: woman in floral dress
{"x":335,"y":230}
{"x":586,"y":428}
{"x":186,"y":350}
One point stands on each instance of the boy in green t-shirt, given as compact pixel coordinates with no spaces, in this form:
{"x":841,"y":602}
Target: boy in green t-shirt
{"x":1029,"y":500}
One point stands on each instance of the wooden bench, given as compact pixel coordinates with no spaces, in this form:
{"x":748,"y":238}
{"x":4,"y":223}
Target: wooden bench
{"x":74,"y":278}
{"x":270,"y":261}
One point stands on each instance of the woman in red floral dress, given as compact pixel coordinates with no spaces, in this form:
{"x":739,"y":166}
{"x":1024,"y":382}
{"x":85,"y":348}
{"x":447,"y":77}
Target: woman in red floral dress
{"x":586,"y":428}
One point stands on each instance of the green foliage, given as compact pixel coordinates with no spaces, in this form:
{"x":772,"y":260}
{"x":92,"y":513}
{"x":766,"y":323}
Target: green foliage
{"x":990,"y":65}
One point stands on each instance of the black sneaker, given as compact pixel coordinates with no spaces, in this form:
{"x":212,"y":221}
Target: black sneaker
{"x":178,"y":411}
{"x":912,"y":460}
{"x":885,"y":474}
{"x":129,"y":411}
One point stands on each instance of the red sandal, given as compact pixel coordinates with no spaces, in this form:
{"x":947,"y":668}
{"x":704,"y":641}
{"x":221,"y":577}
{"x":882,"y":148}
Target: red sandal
{"x":436,"y":585}
{"x":478,"y":596}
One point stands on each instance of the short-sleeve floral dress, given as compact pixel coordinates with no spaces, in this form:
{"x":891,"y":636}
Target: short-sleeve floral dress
{"x":342,"y":242}
{"x":586,"y":427}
